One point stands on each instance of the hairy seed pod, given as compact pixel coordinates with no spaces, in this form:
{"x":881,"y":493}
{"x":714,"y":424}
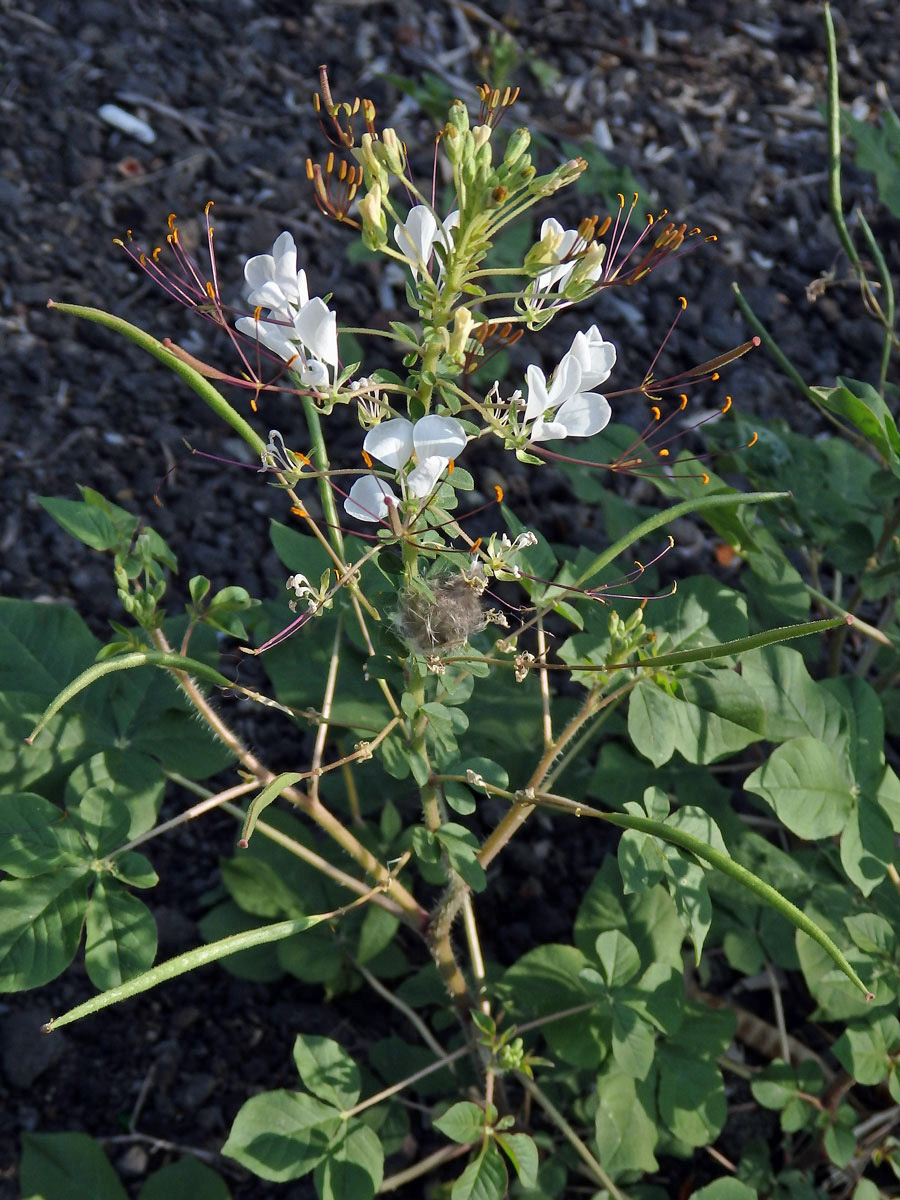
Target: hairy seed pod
{"x":443,"y":613}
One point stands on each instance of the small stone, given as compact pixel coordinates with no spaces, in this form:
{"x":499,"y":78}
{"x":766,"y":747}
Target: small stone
{"x":25,"y":1051}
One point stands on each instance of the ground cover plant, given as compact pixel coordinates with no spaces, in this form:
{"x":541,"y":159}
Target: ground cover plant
{"x":458,"y":684}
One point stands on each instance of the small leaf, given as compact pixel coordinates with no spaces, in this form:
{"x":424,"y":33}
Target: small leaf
{"x":121,"y":936}
{"x":804,"y":784}
{"x":40,"y":926}
{"x":483,"y":1179}
{"x":462,"y":1122}
{"x":70,"y":1165}
{"x":267,"y":796}
{"x":521,"y":1151}
{"x":327,"y":1070}
{"x":626,"y":1133}
{"x":282,"y":1135}
{"x":618,"y":957}
{"x":353,"y":1167}
{"x":187,"y":1179}
{"x":726,"y":1188}
{"x":35,"y":836}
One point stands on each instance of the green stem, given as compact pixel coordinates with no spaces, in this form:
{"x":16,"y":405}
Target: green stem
{"x":126,"y":662}
{"x":728,"y":866}
{"x":194,"y":379}
{"x":319,"y":456}
{"x":597,"y":1172}
{"x":664,"y":516}
{"x":776,"y":352}
{"x":887,"y":311}
{"x":835,"y":202}
{"x":199,"y":957}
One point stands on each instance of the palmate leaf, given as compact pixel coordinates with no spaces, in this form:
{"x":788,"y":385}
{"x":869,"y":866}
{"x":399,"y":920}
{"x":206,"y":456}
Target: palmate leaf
{"x":68,"y":1164}
{"x":40,"y":925}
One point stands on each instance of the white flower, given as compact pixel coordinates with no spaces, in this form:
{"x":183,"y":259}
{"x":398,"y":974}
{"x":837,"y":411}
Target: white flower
{"x":568,"y":241}
{"x":573,"y":412}
{"x":596,"y":357}
{"x":432,"y":440}
{"x":417,"y":236}
{"x":558,"y":274}
{"x":369,"y":498}
{"x":273,"y":279}
{"x":300,"y":330}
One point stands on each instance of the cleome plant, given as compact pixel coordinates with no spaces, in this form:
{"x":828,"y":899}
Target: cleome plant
{"x":451,"y":679}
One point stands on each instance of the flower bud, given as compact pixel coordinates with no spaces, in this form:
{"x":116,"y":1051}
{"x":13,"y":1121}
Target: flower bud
{"x":588,"y":267}
{"x":458,"y":117}
{"x":374,"y":233}
{"x":516,"y":146}
{"x":543,"y":254}
{"x":481,"y":135}
{"x":454,"y":144}
{"x":460,"y":333}
{"x":393,"y":154}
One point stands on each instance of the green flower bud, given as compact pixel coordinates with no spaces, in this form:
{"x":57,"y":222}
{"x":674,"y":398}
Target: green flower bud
{"x":393,"y":154}
{"x":516,"y":146}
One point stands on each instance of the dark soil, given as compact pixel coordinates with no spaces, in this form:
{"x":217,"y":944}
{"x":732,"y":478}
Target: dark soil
{"x":716,"y":108}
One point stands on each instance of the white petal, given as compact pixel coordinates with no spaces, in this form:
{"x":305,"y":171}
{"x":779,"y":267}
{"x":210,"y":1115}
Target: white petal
{"x":443,"y":437}
{"x":316,"y":326}
{"x":547,"y":431}
{"x":596,"y":356}
{"x":268,"y":295}
{"x":538,"y":400}
{"x":313,"y":374}
{"x":416,"y":236}
{"x":584,"y":415}
{"x":422,"y":478}
{"x":391,"y":442}
{"x":566,"y":380}
{"x":284,"y":255}
{"x":259,"y":269}
{"x":274,"y":337}
{"x":366,"y":500}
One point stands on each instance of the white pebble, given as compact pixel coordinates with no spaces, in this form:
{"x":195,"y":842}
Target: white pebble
{"x":127,"y":123}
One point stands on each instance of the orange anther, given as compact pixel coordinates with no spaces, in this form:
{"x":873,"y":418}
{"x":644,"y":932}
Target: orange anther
{"x":367,"y":459}
{"x":753,"y":440}
{"x":299,"y":511}
{"x":704,"y":479}
{"x":209,"y":205}
{"x":726,"y":405}
{"x":663,"y":454}
{"x":307,"y":462}
{"x":498,"y":492}
{"x":476,"y":545}
{"x":657,"y":414}
{"x":682,"y":300}
{"x":684,"y":401}
{"x":450,"y":465}
{"x":171,"y":221}
{"x":254,"y":406}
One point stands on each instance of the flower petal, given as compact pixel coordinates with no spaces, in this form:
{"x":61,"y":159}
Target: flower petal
{"x":584,"y":415}
{"x":275,"y":337}
{"x":538,"y":400}
{"x":596,"y":356}
{"x":416,"y":235}
{"x":391,"y":442}
{"x":422,"y":478}
{"x":442,"y":437}
{"x":566,"y":380}
{"x":368,"y":499}
{"x":316,"y":326}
